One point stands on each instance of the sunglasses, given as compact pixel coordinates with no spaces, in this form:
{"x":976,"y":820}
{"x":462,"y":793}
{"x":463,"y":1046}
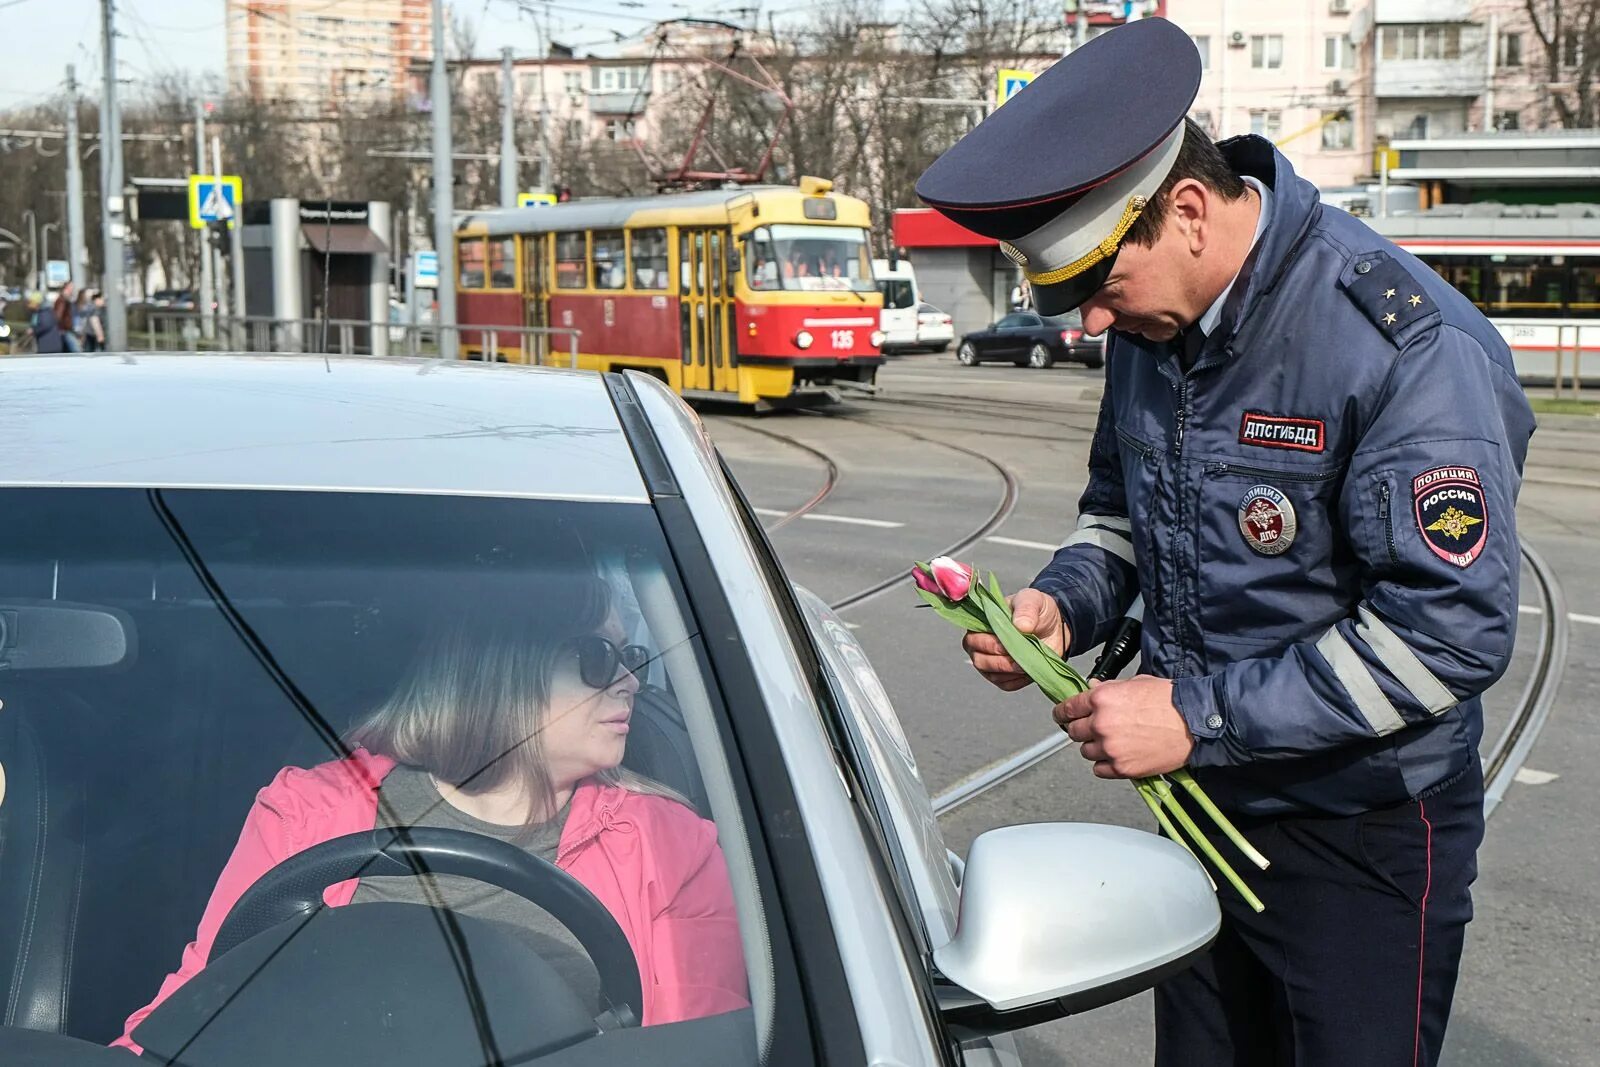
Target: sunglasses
{"x":599,"y":659}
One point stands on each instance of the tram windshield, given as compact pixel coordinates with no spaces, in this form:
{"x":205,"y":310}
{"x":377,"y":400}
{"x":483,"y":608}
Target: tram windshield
{"x":810,"y":258}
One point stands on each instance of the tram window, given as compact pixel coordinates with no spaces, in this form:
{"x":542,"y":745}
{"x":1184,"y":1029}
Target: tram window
{"x":684,"y":261}
{"x":715,"y":262}
{"x":572,"y":261}
{"x":1524,"y":285}
{"x":1585,"y":289}
{"x":649,"y":251}
{"x":470,"y":257}
{"x":761,"y":261}
{"x":503,"y":263}
{"x":610,"y":269}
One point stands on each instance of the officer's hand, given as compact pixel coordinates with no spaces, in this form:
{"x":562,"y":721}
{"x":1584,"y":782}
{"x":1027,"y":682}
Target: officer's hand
{"x":1034,"y":613}
{"x":1129,"y":729}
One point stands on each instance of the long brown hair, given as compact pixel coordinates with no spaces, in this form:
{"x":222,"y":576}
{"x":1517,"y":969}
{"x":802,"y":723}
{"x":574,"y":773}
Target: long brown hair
{"x":470,"y":709}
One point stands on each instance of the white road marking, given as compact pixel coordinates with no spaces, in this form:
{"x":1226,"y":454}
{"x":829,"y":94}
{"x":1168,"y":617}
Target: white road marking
{"x":1534,"y":609}
{"x":849,"y":519}
{"x":1016,"y":543}
{"x":1529,"y":776}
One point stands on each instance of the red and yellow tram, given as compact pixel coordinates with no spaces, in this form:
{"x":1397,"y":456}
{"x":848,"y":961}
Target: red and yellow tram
{"x":760,"y":295}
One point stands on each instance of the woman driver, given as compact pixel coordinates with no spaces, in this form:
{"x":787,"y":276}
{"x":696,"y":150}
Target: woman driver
{"x":515,"y":729}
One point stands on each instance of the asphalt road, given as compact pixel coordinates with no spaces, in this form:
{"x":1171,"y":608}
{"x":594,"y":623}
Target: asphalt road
{"x":1529,"y":992}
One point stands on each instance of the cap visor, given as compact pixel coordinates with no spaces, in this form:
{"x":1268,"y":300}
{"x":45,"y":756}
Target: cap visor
{"x":1062,"y":297}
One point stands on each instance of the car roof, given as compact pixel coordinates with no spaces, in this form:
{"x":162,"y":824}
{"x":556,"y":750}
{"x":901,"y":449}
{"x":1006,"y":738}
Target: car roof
{"x":299,"y":422}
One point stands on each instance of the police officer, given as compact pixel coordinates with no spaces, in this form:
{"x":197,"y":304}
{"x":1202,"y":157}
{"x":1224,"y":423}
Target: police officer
{"x":1307,"y":461}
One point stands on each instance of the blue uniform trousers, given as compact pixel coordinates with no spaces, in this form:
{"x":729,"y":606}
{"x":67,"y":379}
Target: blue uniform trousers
{"x":1354,"y":961}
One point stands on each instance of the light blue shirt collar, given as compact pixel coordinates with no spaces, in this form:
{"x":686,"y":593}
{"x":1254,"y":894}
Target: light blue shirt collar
{"x":1213,"y":315}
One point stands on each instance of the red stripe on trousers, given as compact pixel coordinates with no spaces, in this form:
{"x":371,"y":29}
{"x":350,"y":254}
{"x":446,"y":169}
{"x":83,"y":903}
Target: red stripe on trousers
{"x":1422,"y":933}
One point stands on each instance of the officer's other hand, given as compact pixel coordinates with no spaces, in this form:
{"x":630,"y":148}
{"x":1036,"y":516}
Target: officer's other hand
{"x":1128,"y":729}
{"x":1034,"y":613}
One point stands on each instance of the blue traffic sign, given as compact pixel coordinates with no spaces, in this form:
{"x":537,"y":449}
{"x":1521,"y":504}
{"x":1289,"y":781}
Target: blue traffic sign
{"x":213,"y":198}
{"x":57,"y":272}
{"x":426,"y":267}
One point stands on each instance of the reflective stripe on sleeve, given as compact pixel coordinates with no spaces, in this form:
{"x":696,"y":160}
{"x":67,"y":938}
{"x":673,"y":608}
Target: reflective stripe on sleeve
{"x":1111,"y":540}
{"x":1358,"y":682}
{"x":1403,"y":663}
{"x":1110,"y":522}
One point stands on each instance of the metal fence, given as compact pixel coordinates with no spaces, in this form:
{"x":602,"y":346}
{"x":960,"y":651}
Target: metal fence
{"x":183,"y":331}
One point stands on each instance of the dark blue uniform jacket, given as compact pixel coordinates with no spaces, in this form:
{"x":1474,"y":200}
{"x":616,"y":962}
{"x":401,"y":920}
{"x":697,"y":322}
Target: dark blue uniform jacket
{"x":1319,"y":514}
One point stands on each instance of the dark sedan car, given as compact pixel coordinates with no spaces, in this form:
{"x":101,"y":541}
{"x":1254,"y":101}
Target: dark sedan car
{"x":1031,"y":340}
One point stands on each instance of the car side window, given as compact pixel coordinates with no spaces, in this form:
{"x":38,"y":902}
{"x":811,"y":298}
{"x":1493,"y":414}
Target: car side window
{"x":1011,"y":322}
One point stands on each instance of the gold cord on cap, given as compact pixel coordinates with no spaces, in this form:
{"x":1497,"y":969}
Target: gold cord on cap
{"x":1101,"y":251}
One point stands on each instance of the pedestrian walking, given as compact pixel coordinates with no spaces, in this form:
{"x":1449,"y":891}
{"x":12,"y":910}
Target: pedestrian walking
{"x":43,"y":329}
{"x":1307,"y":462}
{"x":94,"y":322}
{"x":65,"y":313}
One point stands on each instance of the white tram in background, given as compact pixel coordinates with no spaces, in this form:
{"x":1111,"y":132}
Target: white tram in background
{"x":1534,"y":270}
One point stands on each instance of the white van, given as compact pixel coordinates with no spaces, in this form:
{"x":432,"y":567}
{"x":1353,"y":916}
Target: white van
{"x":898,"y":284}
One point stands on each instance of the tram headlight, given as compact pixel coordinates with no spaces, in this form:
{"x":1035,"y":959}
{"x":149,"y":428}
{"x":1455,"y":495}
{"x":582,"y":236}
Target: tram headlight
{"x":803,"y":339}
{"x":876,"y":338}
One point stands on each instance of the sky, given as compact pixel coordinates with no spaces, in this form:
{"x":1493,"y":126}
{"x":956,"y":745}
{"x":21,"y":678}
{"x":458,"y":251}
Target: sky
{"x":159,"y":36}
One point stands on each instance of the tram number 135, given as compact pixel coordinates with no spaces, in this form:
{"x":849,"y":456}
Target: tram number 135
{"x":844,"y":339}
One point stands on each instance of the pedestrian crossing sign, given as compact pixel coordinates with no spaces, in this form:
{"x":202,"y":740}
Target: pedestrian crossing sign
{"x":1010,"y":83}
{"x":213,"y":198}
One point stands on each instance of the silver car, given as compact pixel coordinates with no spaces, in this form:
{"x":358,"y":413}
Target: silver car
{"x":224,"y":582}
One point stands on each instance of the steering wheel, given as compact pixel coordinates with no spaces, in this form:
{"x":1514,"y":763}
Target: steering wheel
{"x":293,"y":890}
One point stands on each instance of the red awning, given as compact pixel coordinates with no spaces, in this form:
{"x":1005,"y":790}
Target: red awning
{"x":923,"y":227}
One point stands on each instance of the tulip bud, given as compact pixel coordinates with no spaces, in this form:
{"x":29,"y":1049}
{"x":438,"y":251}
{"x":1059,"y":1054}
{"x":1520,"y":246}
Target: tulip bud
{"x":925,"y":580}
{"x":954,"y":579}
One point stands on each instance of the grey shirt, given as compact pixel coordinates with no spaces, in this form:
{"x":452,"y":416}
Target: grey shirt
{"x":408,"y":797}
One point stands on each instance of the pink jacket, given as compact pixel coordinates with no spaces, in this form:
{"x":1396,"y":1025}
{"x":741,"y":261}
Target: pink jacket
{"x":652,"y":862}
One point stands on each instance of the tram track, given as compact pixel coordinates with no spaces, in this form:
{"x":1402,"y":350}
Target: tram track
{"x":830,"y":478}
{"x":1500,"y":765}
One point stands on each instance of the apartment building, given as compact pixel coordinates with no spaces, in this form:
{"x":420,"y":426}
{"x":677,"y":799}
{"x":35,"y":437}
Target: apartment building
{"x":321,"y":53}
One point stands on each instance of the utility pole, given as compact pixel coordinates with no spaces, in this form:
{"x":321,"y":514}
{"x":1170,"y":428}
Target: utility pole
{"x":544,"y":137}
{"x":508,"y":132}
{"x":111,"y":208}
{"x":77,"y":246}
{"x":235,"y":252}
{"x":208,"y":288}
{"x":443,"y":190}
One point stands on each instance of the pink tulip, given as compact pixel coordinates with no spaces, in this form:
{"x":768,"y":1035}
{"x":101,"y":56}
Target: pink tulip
{"x":954,"y":579}
{"x":925,"y":580}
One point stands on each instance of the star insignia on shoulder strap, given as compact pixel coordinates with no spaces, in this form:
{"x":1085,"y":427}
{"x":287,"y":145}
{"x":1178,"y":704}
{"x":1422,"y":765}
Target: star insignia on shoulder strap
{"x":1388,"y":319}
{"x":1388,"y":294}
{"x":1415,"y":300}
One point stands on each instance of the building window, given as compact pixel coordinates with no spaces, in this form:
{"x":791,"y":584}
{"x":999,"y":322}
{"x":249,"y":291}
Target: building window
{"x":1266,"y":51}
{"x":610,"y":270}
{"x":617,"y":79}
{"x":1571,"y":49}
{"x":1268,"y":124}
{"x":571,"y":260}
{"x":619,"y":130}
{"x":1506,"y":120}
{"x":1338,"y":132}
{"x":1202,"y":45}
{"x":1415,"y":130}
{"x":1510,"y":50}
{"x":649,"y":251}
{"x":1202,"y":119}
{"x":671,"y":78}
{"x":572,"y":81}
{"x":1337,"y":52}
{"x":577,"y":131}
{"x":1419,"y":42}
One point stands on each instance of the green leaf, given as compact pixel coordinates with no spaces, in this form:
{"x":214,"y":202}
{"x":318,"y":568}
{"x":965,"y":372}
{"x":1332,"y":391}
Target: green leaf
{"x":1027,"y":654}
{"x":960,"y":614}
{"x":994,"y":587}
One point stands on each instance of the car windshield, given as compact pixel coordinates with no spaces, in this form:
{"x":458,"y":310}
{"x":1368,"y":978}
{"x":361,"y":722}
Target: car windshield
{"x":897,"y":293}
{"x":202,"y":686}
{"x":809,"y":258}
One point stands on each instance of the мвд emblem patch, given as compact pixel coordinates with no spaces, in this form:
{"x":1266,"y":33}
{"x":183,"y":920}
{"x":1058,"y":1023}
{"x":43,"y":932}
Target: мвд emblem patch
{"x":1452,"y":513}
{"x":1267,"y":520}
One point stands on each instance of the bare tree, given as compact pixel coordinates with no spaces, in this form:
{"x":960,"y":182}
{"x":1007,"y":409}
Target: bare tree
{"x":1569,"y":33}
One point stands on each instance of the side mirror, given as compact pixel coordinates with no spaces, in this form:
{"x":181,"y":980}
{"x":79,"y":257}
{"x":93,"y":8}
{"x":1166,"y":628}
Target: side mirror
{"x":733,"y":260}
{"x":1058,"y":918}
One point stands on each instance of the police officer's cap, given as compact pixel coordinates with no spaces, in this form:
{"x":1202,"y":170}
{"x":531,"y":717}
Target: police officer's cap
{"x":1061,"y":172}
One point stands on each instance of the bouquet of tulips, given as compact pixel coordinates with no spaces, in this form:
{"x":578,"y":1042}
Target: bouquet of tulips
{"x":953,"y":590}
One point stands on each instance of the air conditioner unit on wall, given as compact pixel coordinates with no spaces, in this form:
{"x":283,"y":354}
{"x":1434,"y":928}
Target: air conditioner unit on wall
{"x":1336,"y":88}
{"x":1236,"y":39}
{"x":1338,"y":7}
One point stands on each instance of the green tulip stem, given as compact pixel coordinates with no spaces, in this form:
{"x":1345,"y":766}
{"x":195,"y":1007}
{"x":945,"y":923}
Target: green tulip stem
{"x":1153,"y":800}
{"x":1169,"y":800}
{"x":1183,"y":778}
